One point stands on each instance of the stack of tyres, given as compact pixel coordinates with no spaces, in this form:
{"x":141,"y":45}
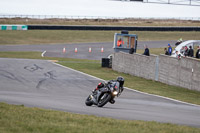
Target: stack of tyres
{"x":105,"y":62}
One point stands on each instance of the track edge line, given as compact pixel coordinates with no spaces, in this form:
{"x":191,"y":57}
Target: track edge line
{"x":129,"y":88}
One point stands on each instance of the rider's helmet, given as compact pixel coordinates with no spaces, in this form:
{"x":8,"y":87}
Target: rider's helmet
{"x":100,"y":85}
{"x":121,"y":81}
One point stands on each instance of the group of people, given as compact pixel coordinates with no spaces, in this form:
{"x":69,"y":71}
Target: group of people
{"x":185,"y":51}
{"x":190,"y":52}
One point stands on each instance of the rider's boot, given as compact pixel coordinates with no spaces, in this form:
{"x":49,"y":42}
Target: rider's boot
{"x":112,"y":101}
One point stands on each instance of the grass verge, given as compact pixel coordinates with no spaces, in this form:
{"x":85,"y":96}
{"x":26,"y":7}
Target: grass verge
{"x":117,"y":22}
{"x":94,"y":68}
{"x":20,"y":119}
{"x":137,"y":83}
{"x":69,"y":36}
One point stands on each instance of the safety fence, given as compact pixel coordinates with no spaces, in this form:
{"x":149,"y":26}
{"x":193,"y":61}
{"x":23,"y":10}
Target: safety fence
{"x":184,"y":72}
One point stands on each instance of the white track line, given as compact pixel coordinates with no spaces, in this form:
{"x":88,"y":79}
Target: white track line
{"x":43,"y":53}
{"x":129,"y":88}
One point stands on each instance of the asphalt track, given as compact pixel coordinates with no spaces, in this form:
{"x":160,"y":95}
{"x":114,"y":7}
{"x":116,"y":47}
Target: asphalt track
{"x":56,"y":50}
{"x":40,"y":83}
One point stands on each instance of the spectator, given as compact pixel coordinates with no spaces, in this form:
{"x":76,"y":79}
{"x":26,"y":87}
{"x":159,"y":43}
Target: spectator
{"x":191,"y":52}
{"x":120,"y":42}
{"x":166,"y":52}
{"x":131,"y":51}
{"x":182,"y":51}
{"x":146,"y":51}
{"x":198,"y":52}
{"x":178,"y":55}
{"x":186,"y":51}
{"x":169,"y":49}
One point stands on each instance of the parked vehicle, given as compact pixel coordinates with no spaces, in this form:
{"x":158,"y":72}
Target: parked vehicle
{"x":183,"y":44}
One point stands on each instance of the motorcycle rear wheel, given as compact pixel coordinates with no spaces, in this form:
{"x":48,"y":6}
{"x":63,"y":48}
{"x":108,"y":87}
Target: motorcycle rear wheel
{"x":103,"y":101}
{"x":88,"y":101}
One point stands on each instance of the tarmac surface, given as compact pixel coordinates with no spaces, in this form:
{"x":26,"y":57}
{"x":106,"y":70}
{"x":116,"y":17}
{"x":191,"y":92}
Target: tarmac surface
{"x":41,"y":83}
{"x":56,"y":50}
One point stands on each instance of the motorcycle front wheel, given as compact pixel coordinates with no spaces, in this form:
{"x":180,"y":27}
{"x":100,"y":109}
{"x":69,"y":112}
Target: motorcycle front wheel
{"x":88,"y":101}
{"x":104,"y":99}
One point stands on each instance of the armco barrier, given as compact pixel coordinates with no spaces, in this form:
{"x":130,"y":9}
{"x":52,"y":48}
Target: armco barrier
{"x":13,"y":27}
{"x":184,"y":72}
{"x":85,"y":27}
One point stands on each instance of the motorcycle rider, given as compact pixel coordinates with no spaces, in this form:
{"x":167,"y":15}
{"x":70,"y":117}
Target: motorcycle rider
{"x":118,"y":84}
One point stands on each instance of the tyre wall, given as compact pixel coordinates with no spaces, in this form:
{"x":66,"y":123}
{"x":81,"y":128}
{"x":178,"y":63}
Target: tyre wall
{"x":110,"y":28}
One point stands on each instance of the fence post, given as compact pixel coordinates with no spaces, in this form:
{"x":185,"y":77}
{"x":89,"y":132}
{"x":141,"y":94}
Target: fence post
{"x":157,"y":69}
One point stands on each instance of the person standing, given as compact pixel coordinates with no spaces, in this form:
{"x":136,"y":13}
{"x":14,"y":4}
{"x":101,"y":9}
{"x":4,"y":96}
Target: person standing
{"x":182,"y":51}
{"x":186,"y":51}
{"x":169,"y":49}
{"x":198,"y":52}
{"x":146,"y":51}
{"x":120,"y":42}
{"x":178,"y":55}
{"x":131,"y":51}
{"x":166,"y":52}
{"x":191,"y":52}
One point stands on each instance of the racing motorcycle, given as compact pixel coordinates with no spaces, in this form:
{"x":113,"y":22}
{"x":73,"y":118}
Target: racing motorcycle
{"x":104,"y":93}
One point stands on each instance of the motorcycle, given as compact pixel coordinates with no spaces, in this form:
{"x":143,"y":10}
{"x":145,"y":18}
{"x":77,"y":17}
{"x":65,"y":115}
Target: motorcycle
{"x":103,"y":94}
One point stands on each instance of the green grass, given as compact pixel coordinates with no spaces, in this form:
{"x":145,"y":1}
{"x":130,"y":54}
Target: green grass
{"x":94,"y":68}
{"x":158,"y":51}
{"x":20,"y":119}
{"x":28,"y":55}
{"x":138,"y":83}
{"x":68,"y":36}
{"x":155,"y":51}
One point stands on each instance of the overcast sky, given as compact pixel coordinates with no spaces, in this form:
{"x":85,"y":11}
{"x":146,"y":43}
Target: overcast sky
{"x":96,"y":8}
